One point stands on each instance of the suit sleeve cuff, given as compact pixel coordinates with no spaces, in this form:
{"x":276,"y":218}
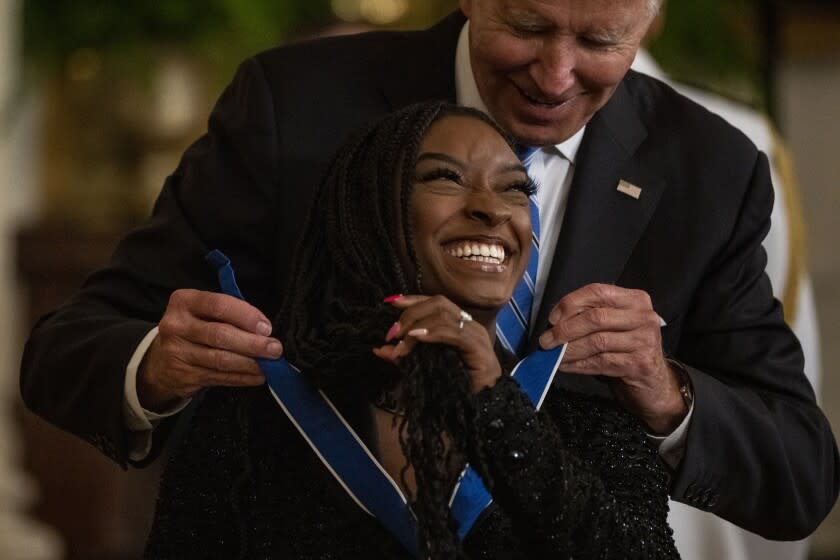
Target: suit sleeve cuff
{"x":138,"y":421}
{"x":672,"y":447}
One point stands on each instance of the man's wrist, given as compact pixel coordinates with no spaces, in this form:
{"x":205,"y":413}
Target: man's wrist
{"x":671,"y":447}
{"x":149,"y":394}
{"x":679,"y":399}
{"x":138,"y":417}
{"x":686,"y":389}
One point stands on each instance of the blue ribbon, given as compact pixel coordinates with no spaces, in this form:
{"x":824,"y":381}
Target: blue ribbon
{"x":349,"y":460}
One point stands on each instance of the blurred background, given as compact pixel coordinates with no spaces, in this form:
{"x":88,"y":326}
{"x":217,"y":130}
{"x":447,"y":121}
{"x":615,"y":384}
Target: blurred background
{"x":98,"y":99}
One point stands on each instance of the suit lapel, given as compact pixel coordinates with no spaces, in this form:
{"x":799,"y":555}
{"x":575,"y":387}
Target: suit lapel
{"x":602,"y":225}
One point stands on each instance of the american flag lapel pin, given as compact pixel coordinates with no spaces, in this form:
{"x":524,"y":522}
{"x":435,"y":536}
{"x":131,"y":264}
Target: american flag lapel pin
{"x":629,"y":189}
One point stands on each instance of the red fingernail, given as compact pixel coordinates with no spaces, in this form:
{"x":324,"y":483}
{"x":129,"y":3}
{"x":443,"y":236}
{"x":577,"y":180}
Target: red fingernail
{"x":389,"y":299}
{"x":393,"y":331}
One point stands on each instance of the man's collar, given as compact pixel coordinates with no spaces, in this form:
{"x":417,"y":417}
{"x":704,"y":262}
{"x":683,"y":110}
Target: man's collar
{"x":645,"y":64}
{"x":466,"y":92}
{"x":569,"y":148}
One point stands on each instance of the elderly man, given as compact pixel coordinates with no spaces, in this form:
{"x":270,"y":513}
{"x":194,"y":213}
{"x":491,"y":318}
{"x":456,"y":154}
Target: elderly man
{"x":652,"y":213}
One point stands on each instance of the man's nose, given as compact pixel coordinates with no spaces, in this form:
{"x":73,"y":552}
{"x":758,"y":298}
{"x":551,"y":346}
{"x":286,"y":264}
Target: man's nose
{"x":553,"y":71}
{"x":488,"y":208}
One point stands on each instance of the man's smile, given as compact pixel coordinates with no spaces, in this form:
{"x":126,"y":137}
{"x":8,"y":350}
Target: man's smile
{"x":545,"y":101}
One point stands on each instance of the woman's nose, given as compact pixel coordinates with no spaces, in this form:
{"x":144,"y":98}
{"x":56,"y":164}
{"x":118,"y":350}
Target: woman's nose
{"x":487,"y":208}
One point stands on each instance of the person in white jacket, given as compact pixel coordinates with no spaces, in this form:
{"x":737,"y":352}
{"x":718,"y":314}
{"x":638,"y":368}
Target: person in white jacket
{"x":700,"y":535}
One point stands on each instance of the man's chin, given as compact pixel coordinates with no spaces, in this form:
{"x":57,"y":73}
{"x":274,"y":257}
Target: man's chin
{"x":539,"y":134}
{"x":536,"y":127}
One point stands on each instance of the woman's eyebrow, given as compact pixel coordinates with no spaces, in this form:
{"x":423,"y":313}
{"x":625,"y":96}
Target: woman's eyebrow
{"x":449,"y":159}
{"x":513,"y":167}
{"x":440,"y":157}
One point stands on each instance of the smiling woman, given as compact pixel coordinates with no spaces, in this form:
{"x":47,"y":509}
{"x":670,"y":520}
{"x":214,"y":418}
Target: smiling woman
{"x":454,"y":460}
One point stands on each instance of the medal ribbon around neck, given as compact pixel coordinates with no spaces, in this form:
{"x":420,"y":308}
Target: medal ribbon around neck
{"x":348,"y":459}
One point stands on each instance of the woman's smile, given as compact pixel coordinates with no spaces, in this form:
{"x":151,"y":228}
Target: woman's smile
{"x":487,"y":255}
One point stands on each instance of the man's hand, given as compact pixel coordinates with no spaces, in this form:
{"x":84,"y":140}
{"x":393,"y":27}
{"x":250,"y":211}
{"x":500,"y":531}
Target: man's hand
{"x":615,"y":332}
{"x":204,"y":339}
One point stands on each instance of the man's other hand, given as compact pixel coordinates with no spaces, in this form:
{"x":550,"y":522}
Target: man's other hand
{"x":205,"y":339}
{"x":615,"y":332}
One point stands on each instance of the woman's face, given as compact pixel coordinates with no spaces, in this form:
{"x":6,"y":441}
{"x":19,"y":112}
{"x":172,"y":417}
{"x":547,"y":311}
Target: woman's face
{"x":469,"y":214}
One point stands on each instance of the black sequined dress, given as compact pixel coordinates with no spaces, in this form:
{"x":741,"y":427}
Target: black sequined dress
{"x":576,"y":480}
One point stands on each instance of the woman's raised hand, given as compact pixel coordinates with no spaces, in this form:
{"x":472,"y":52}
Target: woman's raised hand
{"x":435,"y":319}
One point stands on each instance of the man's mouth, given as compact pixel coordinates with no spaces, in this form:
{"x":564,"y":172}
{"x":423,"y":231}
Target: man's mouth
{"x":544,"y":101}
{"x":491,"y":252}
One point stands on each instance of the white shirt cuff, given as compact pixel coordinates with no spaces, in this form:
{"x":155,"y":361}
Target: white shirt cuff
{"x":138,"y":421}
{"x":672,"y":447}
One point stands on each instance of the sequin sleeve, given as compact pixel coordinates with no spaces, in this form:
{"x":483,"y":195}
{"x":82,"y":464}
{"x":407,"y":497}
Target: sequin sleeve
{"x":576,"y":479}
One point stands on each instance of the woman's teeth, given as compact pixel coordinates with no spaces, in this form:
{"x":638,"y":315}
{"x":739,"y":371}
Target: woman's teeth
{"x":474,"y":251}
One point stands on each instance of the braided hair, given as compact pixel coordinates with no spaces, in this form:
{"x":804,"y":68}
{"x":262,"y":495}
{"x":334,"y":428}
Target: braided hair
{"x":356,"y":250}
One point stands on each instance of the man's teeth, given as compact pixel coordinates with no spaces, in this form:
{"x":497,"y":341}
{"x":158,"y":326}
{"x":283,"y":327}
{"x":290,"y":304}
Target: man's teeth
{"x":473,"y":251}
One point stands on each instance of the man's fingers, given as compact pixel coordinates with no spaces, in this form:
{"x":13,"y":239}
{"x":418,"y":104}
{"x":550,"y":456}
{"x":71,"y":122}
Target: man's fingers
{"x":604,"y":343}
{"x":233,"y":339}
{"x":219,"y":379}
{"x":194,"y":378}
{"x":601,"y":320}
{"x":599,"y":295}
{"x":185,"y":327}
{"x":221,"y":308}
{"x":222,"y":360}
{"x":183,"y":379}
{"x":613,"y":364}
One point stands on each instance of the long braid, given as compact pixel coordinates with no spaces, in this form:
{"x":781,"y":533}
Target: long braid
{"x":351,"y":256}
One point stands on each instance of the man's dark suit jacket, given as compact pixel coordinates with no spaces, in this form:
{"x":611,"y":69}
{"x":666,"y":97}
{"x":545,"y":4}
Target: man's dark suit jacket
{"x":759,"y":451}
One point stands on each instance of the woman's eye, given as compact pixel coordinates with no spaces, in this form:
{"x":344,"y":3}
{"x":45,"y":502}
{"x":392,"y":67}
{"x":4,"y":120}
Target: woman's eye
{"x":527,"y":187}
{"x":438,"y":174}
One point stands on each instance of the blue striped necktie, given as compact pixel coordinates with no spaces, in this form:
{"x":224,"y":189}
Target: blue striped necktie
{"x":513,"y":320}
